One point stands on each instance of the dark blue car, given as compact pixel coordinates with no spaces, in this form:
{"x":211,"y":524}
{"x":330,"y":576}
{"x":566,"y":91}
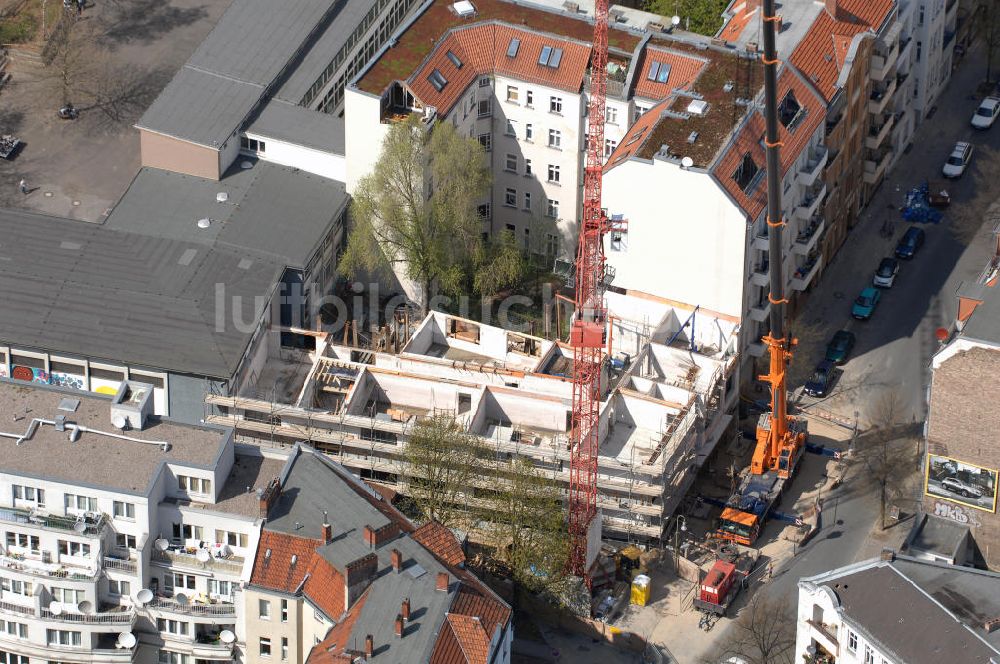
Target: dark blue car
{"x":819,"y":383}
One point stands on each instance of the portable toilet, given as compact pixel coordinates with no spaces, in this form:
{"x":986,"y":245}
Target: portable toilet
{"x":641,"y":587}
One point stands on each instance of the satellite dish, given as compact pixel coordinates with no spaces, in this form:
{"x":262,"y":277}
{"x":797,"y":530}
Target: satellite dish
{"x":55,"y":608}
{"x":126,"y":640}
{"x":181,"y":599}
{"x":161,"y":544}
{"x":204,"y":222}
{"x":687,"y":162}
{"x":246,"y":164}
{"x":675,"y":21}
{"x":203,"y":555}
{"x":86,"y":606}
{"x":79,"y":526}
{"x":119,"y":421}
{"x":144,"y":596}
{"x":226,"y":636}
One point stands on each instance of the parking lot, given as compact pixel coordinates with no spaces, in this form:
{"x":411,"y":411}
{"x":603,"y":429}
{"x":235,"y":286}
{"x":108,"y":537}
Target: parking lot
{"x":79,"y":168}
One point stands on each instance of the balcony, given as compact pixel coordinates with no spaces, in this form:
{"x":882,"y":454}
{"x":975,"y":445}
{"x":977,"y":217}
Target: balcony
{"x":880,"y":97}
{"x":212,"y":650}
{"x":756,"y":348}
{"x":811,"y":202}
{"x":121,"y":616}
{"x":34,"y":565}
{"x":760,"y":311}
{"x":804,"y":274}
{"x":813,"y":167}
{"x":183,"y":559}
{"x":120,"y":564}
{"x":833,"y":123}
{"x":883,"y":64}
{"x":761,"y":275}
{"x":825,"y":635}
{"x":875,"y":165}
{"x":190,"y":608}
{"x":90,"y":527}
{"x":760,"y":240}
{"x":877,"y":133}
{"x":807,"y":238}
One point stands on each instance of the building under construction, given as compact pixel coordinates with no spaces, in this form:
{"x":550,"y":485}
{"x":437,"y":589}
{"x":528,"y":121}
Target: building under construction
{"x":663,"y":408}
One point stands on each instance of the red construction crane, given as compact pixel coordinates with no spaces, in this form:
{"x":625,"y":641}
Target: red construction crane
{"x":587,"y":335}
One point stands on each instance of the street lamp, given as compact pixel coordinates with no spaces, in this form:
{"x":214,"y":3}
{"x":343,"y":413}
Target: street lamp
{"x":679,"y":519}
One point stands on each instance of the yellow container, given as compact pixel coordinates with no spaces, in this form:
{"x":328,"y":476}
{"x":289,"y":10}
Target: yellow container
{"x":641,"y":588}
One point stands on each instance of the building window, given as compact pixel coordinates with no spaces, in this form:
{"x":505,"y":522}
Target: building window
{"x":11,"y":658}
{"x":790,"y":111}
{"x":78,"y":549}
{"x":63,"y":637}
{"x":527,"y":201}
{"x":23,"y":541}
{"x":182,"y":532}
{"x":486,"y":140}
{"x":123,"y":541}
{"x":252,"y":145}
{"x":555,"y":138}
{"x":28,"y":494}
{"x":230,"y":538}
{"x":284,"y":610}
{"x":552,"y":209}
{"x":512,"y":94}
{"x":484,"y":108}
{"x":67,"y":595}
{"x":609,"y":146}
{"x":746,"y":173}
{"x":920,"y":46}
{"x":555,"y":105}
{"x":551,"y":244}
{"x":527,"y":167}
{"x":869,"y":655}
{"x":265,"y":647}
{"x":511,"y":163}
{"x":79,"y":503}
{"x":194,"y":484}
{"x":172,"y":626}
{"x":284,"y":648}
{"x":264,"y":609}
{"x":510,"y":197}
{"x":485,"y":211}
{"x":116,"y":587}
{"x":437,"y":79}
{"x":529,"y":98}
{"x":16,"y":587}
{"x":639,"y":112}
{"x":920,"y":20}
{"x":454,"y":59}
{"x":484,"y":82}
{"x":168,"y":657}
{"x":17,"y":630}
{"x":852,"y":641}
{"x":219,"y":588}
{"x":510,"y":228}
{"x":124,"y":510}
{"x":174,"y":580}
{"x":553,"y":173}
{"x":611,"y":115}
{"x":529,"y":132}
{"x":510,"y":131}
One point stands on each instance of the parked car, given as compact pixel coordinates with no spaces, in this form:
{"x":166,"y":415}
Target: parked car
{"x":961,"y":488}
{"x":958,"y":160}
{"x":819,"y":383}
{"x":885,"y":275}
{"x":864,"y":304}
{"x":840,"y":346}
{"x":911,"y":241}
{"x":987,"y":113}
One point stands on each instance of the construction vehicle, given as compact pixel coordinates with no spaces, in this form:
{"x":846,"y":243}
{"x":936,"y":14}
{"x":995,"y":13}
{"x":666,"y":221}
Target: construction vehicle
{"x":781,"y":438}
{"x":588,"y":333}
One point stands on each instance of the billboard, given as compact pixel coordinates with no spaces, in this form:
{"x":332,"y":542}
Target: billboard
{"x":962,"y":483}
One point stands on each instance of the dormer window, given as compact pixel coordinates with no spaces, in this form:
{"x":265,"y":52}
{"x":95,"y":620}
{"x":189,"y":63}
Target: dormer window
{"x":437,"y":80}
{"x":790,"y":111}
{"x":746,"y":173}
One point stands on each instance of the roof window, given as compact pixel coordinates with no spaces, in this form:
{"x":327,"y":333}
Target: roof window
{"x":658,"y":71}
{"x":790,"y":111}
{"x":512,"y":47}
{"x":550,"y":57}
{"x":437,"y":80}
{"x":746,"y":173}
{"x":454,"y":59}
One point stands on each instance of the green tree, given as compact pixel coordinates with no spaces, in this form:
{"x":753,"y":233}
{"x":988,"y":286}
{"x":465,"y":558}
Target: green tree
{"x":529,"y":521}
{"x":501,"y":265}
{"x":443,"y":462}
{"x":701,"y":16}
{"x":417,"y":209}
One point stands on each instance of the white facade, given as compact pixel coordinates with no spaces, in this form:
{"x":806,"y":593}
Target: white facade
{"x":310,"y":160}
{"x":933,"y":61}
{"x":822,"y":626}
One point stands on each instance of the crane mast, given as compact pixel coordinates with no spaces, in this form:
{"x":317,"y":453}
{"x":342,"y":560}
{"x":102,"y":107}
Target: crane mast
{"x":588,"y":331}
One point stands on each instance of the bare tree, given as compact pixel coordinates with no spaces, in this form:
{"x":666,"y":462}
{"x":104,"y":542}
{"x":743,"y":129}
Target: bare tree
{"x":989,"y":29}
{"x":882,"y":453}
{"x":764,"y":633}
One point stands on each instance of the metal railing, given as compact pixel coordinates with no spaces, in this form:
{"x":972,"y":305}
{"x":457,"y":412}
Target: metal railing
{"x":120,"y":564}
{"x":233,"y":565}
{"x":220,"y":610}
{"x":107,"y":618}
{"x":52,"y":521}
{"x":47,"y":570}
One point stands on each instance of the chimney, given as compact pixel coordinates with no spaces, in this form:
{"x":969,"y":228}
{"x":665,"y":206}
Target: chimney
{"x":832,"y":7}
{"x":327,"y":533}
{"x":397,"y":560}
{"x":369,"y":646}
{"x":405,"y":610}
{"x":370,"y":536}
{"x":268,"y":495}
{"x":888,"y":555}
{"x":399,"y":625}
{"x":442,"y":581}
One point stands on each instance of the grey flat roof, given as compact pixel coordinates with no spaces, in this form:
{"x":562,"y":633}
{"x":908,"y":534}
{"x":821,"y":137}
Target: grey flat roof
{"x":940,"y":536}
{"x":984,"y":324}
{"x":285,"y":121}
{"x":797,"y":17}
{"x":239,"y":493}
{"x":223,"y":81}
{"x":94,"y":459}
{"x":922,"y":612}
{"x":142,"y":289}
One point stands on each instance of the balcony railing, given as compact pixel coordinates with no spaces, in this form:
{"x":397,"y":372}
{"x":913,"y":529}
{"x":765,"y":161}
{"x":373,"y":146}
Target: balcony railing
{"x":807,"y":238}
{"x":877,"y":133}
{"x":814,"y":166}
{"x":761,"y":275}
{"x":221,"y":610}
{"x":36,"y":567}
{"x":879,"y":98}
{"x":89,"y":527}
{"x":875,"y":166}
{"x":175,"y":558}
{"x":120,"y":564}
{"x":883,"y":64}
{"x":761,"y":310}
{"x":804,"y":274}
{"x":213,"y":650}
{"x":833,"y":122}
{"x":126,"y":617}
{"x":813,"y":198}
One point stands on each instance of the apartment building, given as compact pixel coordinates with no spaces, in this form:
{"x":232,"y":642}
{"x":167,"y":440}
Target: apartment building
{"x":514,"y":76}
{"x":189,"y":283}
{"x":125,"y":535}
{"x":898,"y":609}
{"x":341,"y":574}
{"x":661,"y":417}
{"x":935,"y":26}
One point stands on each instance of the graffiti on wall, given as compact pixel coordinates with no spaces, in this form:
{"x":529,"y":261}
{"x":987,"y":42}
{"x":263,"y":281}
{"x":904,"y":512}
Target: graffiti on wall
{"x":66,"y":380}
{"x":29,"y":374}
{"x":3,"y":371}
{"x":956,"y":513}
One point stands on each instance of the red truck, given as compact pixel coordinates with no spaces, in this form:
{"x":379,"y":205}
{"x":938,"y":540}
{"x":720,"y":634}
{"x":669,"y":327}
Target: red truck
{"x":721,"y":586}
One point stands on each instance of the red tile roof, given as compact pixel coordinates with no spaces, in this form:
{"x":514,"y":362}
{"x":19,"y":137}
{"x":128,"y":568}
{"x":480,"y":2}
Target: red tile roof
{"x":684,"y":69}
{"x":422,"y":37}
{"x":750,"y":140}
{"x":331,"y":649}
{"x":743,"y":11}
{"x":274,"y":570}
{"x":447,"y":649}
{"x":482,"y":603}
{"x":822,"y":52}
{"x":471,"y":637}
{"x":325,"y":587}
{"x":441,"y":542}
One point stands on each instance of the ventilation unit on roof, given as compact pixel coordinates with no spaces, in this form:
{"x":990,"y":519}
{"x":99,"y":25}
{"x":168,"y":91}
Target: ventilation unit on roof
{"x":132,"y":404}
{"x":664,"y":151}
{"x":464,"y":8}
{"x":221,"y":197}
{"x":692,"y":137}
{"x":728,"y":87}
{"x":697,"y":107}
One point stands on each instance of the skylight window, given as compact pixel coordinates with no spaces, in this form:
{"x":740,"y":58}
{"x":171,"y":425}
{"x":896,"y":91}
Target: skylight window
{"x":454,"y":60}
{"x":543,"y":59}
{"x":556,"y":58}
{"x":746,"y":172}
{"x":550,"y":57}
{"x":664,"y":73}
{"x":437,"y":80}
{"x":789,"y":111}
{"x":512,"y":47}
{"x":654,"y":69}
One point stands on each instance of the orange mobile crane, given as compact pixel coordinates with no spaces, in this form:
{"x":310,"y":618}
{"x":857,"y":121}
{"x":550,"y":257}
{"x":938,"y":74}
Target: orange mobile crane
{"x":780,"y":437}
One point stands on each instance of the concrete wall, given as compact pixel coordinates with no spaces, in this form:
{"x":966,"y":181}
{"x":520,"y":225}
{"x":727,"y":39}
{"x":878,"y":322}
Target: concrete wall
{"x":364,"y":135}
{"x":310,"y":160}
{"x":171,"y":154}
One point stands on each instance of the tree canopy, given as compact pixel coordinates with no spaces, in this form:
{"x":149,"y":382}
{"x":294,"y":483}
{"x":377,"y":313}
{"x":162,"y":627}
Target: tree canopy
{"x":701,"y":16}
